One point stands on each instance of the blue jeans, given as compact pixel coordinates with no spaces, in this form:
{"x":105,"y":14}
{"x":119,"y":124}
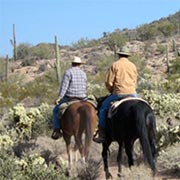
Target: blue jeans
{"x":56,"y":121}
{"x":103,"y":110}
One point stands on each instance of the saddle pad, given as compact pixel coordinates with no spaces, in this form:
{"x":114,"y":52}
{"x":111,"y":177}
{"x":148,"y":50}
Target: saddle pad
{"x":117,"y":103}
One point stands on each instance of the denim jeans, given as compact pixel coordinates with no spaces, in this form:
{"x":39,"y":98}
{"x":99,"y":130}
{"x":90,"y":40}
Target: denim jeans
{"x":106,"y":105}
{"x":56,"y":121}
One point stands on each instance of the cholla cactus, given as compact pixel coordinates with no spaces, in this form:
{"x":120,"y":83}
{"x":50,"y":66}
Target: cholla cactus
{"x":23,"y":123}
{"x":5,"y":142}
{"x":163,"y":104}
{"x":25,"y":120}
{"x":168,"y":135}
{"x":33,"y":113}
{"x":22,"y":163}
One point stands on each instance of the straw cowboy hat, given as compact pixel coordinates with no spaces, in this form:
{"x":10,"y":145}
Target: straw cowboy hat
{"x":77,"y":60}
{"x":124,"y":51}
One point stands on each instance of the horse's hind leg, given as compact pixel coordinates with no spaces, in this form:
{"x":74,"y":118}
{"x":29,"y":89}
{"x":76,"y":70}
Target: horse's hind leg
{"x":69,"y":150}
{"x":128,"y":149}
{"x":119,"y":159}
{"x":105,"y":160}
{"x":78,"y":141}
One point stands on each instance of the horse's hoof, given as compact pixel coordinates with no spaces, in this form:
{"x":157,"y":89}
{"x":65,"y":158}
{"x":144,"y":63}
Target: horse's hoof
{"x":108,"y":176}
{"x":119,"y":174}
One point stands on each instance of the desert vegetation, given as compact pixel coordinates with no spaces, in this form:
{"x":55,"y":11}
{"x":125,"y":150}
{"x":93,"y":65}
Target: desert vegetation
{"x":29,"y":85}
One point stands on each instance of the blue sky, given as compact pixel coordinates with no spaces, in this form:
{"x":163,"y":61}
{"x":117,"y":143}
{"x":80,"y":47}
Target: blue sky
{"x":40,"y":20}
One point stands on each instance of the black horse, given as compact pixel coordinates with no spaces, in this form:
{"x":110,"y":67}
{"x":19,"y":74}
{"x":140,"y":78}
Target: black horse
{"x":132,"y":119}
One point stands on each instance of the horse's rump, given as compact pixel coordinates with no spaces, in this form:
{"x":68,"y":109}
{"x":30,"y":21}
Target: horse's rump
{"x":78,"y":116}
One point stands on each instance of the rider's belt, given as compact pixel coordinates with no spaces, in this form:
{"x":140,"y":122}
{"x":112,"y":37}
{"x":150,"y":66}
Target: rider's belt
{"x":74,"y":98}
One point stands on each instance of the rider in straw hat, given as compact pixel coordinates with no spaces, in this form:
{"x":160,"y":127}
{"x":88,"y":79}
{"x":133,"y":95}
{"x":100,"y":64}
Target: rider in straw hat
{"x":73,"y":85}
{"x":120,"y":81}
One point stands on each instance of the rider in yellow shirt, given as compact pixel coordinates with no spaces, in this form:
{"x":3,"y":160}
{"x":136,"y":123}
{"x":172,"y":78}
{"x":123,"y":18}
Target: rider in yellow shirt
{"x":121,"y":81}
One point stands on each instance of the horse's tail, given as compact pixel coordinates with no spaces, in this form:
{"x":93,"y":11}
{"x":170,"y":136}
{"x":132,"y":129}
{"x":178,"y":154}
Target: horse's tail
{"x":142,"y":117}
{"x":88,"y":129}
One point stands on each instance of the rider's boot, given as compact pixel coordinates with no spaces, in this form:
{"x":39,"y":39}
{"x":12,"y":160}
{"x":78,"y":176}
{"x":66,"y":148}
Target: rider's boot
{"x":56,"y":134}
{"x":101,"y":136}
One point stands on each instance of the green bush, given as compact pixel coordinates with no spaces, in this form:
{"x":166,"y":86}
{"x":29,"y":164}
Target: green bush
{"x":42,"y":89}
{"x":85,"y":43}
{"x":175,"y":68}
{"x":28,"y":168}
{"x":116,"y":40}
{"x":24,"y":51}
{"x":41,"y":51}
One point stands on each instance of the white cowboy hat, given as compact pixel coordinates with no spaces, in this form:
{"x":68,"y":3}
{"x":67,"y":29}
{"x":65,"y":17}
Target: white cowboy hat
{"x":77,"y":60}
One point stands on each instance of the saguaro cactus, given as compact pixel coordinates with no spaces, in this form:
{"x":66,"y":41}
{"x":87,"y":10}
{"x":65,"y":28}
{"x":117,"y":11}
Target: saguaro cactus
{"x":175,"y":48}
{"x":7,"y":68}
{"x":57,"y":65}
{"x":13,"y":42}
{"x":167,"y":59}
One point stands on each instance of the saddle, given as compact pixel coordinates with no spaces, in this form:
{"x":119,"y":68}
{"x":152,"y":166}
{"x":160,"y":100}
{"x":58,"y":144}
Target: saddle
{"x":113,"y":108}
{"x":62,"y":108}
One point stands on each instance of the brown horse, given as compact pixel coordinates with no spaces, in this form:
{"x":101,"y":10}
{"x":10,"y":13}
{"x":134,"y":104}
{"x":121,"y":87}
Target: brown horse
{"x":80,"y":117}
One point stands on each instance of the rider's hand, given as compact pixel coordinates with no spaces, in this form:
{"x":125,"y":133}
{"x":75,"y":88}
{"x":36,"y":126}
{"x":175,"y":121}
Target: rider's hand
{"x":57,"y":100}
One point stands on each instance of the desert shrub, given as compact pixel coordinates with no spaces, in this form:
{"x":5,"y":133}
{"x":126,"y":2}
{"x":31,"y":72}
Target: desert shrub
{"x":5,"y":142}
{"x":28,"y":167}
{"x":43,"y":123}
{"x":22,"y":121}
{"x":169,"y":85}
{"x":147,"y":32}
{"x":161,"y":49}
{"x":166,"y":28}
{"x":140,"y":64}
{"x":167,"y":136}
{"x":169,"y":160}
{"x":30,"y":123}
{"x":28,"y":62}
{"x":43,"y":51}
{"x":84,"y":43}
{"x":175,"y":68}
{"x":90,"y":171}
{"x":145,"y":82}
{"x":105,"y":62}
{"x":116,"y":40}
{"x":42,"y":89}
{"x":164,"y":105}
{"x":10,"y":92}
{"x":24,"y":51}
{"x":96,"y":89}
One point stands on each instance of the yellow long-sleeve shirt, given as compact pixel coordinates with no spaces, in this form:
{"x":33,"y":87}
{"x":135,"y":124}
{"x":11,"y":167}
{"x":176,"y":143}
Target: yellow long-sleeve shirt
{"x":122,"y":77}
